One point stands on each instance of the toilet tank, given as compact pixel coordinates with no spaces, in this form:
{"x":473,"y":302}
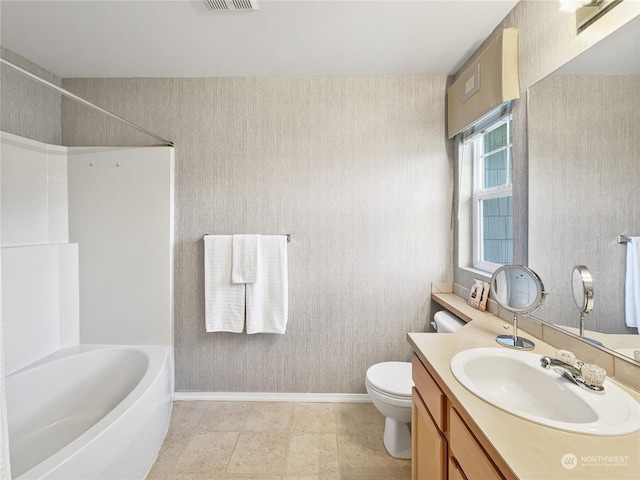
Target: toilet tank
{"x":446,"y":322}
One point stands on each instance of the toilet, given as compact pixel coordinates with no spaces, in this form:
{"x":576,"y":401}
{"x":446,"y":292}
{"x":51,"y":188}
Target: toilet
{"x":389,"y":387}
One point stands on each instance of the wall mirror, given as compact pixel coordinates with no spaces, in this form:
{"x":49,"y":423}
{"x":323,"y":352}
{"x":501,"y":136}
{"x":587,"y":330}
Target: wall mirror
{"x":584,"y":137}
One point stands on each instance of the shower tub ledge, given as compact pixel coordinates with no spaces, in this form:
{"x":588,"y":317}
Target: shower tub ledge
{"x":90,"y":412}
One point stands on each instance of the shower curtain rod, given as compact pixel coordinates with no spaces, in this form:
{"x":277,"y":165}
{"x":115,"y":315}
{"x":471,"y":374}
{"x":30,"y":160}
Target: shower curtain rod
{"x":84,"y":102}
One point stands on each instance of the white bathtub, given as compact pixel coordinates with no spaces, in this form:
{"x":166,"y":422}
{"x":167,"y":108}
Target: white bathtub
{"x":90,"y":412}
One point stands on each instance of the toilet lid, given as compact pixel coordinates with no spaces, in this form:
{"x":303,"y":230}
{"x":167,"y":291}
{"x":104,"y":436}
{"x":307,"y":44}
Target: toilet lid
{"x":391,"y":377}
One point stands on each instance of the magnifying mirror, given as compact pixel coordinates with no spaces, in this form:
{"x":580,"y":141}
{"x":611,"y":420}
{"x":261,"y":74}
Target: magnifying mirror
{"x":519,"y":290}
{"x":582,"y":287}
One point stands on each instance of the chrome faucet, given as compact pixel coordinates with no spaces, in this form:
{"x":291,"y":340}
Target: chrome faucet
{"x":590,"y":381}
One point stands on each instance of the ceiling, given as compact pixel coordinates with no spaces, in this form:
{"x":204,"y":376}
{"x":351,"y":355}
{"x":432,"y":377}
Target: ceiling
{"x":183,"y":38}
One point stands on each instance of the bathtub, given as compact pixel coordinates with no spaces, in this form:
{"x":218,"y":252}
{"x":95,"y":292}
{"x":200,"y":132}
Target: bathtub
{"x":90,"y":412}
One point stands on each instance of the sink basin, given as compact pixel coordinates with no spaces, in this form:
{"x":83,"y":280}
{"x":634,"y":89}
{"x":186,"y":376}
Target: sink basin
{"x":515,"y":382}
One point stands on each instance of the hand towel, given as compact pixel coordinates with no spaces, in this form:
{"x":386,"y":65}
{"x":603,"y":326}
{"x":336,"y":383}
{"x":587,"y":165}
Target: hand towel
{"x":268,"y":298}
{"x":224,"y":301}
{"x":245,"y":258}
{"x":632,"y":284}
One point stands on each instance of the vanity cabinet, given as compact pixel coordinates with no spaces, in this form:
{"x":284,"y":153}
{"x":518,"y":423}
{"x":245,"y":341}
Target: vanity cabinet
{"x":442,"y":445}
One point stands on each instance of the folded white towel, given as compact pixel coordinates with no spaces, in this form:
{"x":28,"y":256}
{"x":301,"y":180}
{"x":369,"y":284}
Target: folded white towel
{"x":632,"y":284}
{"x":268,"y":297}
{"x":224,"y":301}
{"x":245,"y":258}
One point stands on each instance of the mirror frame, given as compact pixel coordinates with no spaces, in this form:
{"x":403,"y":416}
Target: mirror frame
{"x":585,"y":279}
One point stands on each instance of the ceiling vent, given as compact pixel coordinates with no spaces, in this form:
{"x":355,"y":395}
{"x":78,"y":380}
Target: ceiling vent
{"x":220,"y":5}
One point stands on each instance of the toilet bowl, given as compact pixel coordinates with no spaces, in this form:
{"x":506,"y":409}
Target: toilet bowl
{"x":389,"y":386}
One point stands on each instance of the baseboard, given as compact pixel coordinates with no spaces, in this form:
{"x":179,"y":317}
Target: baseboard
{"x":273,"y":397}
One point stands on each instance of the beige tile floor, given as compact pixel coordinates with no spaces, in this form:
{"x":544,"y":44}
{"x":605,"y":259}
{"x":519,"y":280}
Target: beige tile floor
{"x":269,"y":441}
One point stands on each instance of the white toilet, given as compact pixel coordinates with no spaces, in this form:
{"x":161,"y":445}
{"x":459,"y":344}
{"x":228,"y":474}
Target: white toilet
{"x":389,"y":386}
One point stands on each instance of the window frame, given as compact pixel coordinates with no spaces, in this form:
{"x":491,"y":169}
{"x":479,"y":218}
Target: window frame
{"x":479,"y":193}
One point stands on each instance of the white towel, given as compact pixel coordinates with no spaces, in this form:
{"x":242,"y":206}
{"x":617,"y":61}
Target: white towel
{"x":268,"y":298}
{"x":245,"y":258}
{"x":224,"y":301}
{"x":632,"y":284}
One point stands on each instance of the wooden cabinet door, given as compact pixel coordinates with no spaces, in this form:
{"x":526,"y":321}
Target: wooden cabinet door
{"x":428,"y":446}
{"x":468,"y":453}
{"x":454,"y":471}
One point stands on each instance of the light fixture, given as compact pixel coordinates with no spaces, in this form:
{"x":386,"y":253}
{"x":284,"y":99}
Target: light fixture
{"x":587,"y":11}
{"x":570,"y":6}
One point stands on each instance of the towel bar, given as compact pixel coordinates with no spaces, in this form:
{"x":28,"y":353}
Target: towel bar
{"x":288,"y":235}
{"x":623,"y":239}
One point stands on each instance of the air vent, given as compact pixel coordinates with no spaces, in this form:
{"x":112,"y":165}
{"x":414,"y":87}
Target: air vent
{"x":232,"y":4}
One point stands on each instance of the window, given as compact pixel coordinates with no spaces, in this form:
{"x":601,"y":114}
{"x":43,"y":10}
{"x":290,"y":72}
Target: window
{"x":492,"y":196}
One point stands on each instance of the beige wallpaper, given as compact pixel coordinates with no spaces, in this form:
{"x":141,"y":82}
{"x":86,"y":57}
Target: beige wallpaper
{"x":591,"y":184}
{"x":28,"y":108}
{"x":547,"y":40}
{"x":354,"y":168}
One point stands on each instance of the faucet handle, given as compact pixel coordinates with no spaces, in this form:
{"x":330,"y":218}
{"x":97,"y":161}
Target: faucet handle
{"x":593,"y":374}
{"x":566,"y":356}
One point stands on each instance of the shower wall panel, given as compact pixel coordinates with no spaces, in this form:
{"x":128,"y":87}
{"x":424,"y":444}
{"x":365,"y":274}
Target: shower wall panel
{"x":121,"y":215}
{"x":33,"y":193}
{"x":39,"y":301}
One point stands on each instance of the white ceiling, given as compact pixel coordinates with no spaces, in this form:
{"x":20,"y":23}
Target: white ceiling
{"x":183,"y":38}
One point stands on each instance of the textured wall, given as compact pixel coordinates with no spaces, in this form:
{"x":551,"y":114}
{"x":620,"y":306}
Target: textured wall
{"x":592,"y":185}
{"x":355,"y":168}
{"x":29,"y":109}
{"x":547,"y":39}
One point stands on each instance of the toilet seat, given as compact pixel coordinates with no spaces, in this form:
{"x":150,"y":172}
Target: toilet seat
{"x":392,"y":379}
{"x":397,"y":400}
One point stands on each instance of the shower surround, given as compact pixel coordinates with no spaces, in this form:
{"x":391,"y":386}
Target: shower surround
{"x":87,"y":258}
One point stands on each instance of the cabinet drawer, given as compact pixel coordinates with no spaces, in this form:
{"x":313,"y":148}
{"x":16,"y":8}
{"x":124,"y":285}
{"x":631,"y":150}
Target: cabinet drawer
{"x":431,"y":394}
{"x":468,"y":453}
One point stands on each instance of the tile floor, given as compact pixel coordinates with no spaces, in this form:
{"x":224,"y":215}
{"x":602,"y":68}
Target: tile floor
{"x":269,"y":441}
